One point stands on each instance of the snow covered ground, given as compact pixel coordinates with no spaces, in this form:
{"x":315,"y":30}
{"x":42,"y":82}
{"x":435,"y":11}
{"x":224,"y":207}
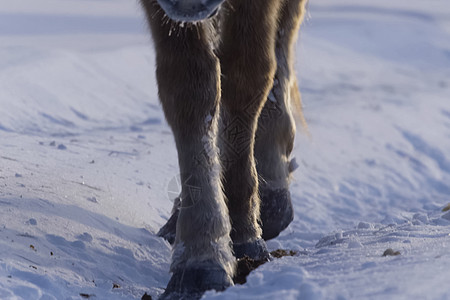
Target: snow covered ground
{"x":88,"y":166}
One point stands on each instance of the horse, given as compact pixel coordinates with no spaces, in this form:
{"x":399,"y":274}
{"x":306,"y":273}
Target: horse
{"x":228,"y":90}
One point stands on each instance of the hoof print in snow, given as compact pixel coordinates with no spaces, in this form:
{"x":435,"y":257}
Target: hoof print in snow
{"x":62,"y":147}
{"x":390,"y":252}
{"x":146,"y":297}
{"x":85,"y":237}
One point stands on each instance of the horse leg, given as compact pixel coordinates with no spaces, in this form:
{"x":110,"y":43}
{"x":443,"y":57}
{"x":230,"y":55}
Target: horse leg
{"x":248,"y":62}
{"x":275,"y":132}
{"x":188,"y":75}
{"x":276,"y":127}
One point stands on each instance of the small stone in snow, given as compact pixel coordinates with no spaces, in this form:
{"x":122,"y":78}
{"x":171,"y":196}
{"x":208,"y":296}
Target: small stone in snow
{"x":32,"y":221}
{"x":446,"y":208}
{"x":390,"y":252}
{"x":62,"y":147}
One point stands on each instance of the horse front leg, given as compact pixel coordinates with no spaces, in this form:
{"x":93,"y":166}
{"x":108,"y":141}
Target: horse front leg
{"x":247,"y":57}
{"x":188,"y":75}
{"x":276,"y":127}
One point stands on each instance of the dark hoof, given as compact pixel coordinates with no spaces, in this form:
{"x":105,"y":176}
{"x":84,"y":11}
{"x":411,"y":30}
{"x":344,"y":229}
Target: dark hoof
{"x":191,"y":283}
{"x":276,"y":214}
{"x":276,"y":211}
{"x":169,"y":230}
{"x":256,"y":250}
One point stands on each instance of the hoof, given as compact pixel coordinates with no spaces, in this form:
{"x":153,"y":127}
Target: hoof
{"x":169,"y":230}
{"x":276,"y":211}
{"x":256,"y":250}
{"x":192,"y":282}
{"x":276,"y":214}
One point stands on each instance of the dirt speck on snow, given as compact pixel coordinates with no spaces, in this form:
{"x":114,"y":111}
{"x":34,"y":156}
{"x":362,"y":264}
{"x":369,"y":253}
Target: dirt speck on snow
{"x":246,"y":264}
{"x":390,"y":252}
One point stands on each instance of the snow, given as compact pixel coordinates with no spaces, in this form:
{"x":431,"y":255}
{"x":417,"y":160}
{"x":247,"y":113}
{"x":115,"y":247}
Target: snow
{"x":88,"y":168}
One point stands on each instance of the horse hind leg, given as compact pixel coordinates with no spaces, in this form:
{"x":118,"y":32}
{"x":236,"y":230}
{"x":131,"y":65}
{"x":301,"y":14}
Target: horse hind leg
{"x":276,"y":127}
{"x":248,"y":63}
{"x":202,"y":257}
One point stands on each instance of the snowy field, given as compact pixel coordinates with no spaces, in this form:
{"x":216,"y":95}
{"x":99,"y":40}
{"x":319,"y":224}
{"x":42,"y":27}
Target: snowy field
{"x":88,"y":166}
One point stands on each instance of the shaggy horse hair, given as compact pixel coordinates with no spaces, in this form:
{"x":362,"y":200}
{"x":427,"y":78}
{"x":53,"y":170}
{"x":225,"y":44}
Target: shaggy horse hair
{"x":227,"y":85}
